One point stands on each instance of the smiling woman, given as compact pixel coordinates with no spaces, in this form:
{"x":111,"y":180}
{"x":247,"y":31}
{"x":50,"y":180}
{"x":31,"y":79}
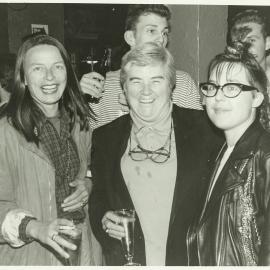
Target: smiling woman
{"x":44,"y":151}
{"x":46,"y":77}
{"x":233,"y":226}
{"x":136,"y":163}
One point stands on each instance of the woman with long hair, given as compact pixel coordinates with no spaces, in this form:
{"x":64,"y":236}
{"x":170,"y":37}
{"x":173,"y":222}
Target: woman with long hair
{"x":44,"y":152}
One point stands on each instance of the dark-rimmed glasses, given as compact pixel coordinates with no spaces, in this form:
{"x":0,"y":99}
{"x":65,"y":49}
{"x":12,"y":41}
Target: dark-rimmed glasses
{"x":230,"y":90}
{"x":160,"y":155}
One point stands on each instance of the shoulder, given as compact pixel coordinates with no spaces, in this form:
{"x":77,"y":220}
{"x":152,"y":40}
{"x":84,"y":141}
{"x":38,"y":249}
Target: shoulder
{"x":197,"y":122}
{"x":113,"y":76}
{"x":183,"y":76}
{"x":111,"y":129}
{"x":9,"y":135}
{"x":190,"y":115}
{"x":264,"y":143}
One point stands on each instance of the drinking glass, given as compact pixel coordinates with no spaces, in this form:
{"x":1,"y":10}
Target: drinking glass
{"x":128,"y":221}
{"x":75,"y":238}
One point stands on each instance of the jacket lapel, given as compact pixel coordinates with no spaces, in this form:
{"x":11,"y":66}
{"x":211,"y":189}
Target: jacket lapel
{"x":120,"y":188}
{"x":232,"y":174}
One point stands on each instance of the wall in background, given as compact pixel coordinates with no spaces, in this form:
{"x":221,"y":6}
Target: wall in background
{"x":198,"y":34}
{"x":3,"y":29}
{"x":22,"y":15}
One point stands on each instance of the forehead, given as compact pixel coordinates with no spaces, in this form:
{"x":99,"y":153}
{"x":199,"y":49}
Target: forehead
{"x":152,"y":19}
{"x":229,"y":72}
{"x":42,"y":53}
{"x":155,"y":69}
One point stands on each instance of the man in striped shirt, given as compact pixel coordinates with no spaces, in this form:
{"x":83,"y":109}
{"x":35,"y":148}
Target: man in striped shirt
{"x":144,"y":23}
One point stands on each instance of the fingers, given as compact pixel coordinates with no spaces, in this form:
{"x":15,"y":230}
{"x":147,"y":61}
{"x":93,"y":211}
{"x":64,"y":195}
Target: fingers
{"x":111,"y":224}
{"x":78,"y":198}
{"x":75,"y":200}
{"x":57,"y":248}
{"x":92,"y":84}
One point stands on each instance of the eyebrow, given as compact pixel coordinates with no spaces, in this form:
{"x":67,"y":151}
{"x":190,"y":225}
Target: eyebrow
{"x":158,"y":77}
{"x":41,"y":64}
{"x":155,"y":25}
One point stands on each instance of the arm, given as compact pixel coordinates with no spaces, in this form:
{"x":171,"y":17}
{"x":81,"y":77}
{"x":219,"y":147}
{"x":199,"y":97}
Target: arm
{"x":98,"y":203}
{"x":186,"y":93}
{"x":264,"y":254}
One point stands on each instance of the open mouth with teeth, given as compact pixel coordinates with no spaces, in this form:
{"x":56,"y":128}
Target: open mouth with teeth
{"x":147,"y":101}
{"x":49,"y":88}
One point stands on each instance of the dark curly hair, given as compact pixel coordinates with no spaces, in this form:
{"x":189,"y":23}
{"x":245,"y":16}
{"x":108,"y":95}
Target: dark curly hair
{"x":237,"y":53}
{"x":249,"y":16}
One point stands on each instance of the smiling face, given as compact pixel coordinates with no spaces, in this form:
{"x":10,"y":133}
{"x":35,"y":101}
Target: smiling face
{"x":232,"y":114}
{"x":45,"y":76}
{"x":148,"y":91}
{"x":149,"y":28}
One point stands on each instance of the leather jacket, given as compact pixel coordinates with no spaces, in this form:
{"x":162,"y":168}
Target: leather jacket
{"x":234,"y":225}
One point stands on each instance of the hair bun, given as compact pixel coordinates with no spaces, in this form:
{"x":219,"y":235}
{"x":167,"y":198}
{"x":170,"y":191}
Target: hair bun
{"x":237,"y":48}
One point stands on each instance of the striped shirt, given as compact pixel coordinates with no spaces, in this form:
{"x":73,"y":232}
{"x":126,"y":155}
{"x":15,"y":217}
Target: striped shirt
{"x":108,"y":108}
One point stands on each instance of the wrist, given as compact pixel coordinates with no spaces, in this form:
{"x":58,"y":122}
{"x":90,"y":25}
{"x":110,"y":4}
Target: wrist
{"x":23,"y":232}
{"x":31,"y":230}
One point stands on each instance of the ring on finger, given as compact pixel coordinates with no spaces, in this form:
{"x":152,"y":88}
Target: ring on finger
{"x":54,"y":236}
{"x":107,"y":230}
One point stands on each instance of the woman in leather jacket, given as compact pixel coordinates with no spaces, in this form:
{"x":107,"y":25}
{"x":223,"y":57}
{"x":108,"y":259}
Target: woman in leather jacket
{"x":234,"y":225}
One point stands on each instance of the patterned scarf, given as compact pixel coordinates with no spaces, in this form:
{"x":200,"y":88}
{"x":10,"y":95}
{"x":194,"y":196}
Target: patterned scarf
{"x":62,"y":151}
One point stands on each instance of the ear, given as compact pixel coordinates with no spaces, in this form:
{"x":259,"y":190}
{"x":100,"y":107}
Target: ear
{"x":257,"y":100}
{"x":130,"y":38}
{"x":267,"y":43}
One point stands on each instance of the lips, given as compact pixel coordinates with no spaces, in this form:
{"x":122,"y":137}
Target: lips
{"x":49,"y":88}
{"x":220,"y":110}
{"x":147,"y":101}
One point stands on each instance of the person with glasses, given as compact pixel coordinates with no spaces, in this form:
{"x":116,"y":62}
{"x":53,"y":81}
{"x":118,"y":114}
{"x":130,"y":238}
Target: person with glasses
{"x":149,"y":160}
{"x":233,"y":226}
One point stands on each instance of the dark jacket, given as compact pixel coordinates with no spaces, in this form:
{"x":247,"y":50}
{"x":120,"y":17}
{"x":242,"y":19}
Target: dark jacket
{"x":230,"y":228}
{"x":194,"y":141}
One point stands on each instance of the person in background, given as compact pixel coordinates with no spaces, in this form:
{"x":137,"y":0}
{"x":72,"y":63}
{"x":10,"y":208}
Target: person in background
{"x":233,"y":226}
{"x":45,"y":142}
{"x":144,"y":23}
{"x":150,"y":160}
{"x":6,"y":79}
{"x":254,"y":24}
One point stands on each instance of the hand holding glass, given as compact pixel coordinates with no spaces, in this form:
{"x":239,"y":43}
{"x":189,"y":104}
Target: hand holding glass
{"x":127,"y":217}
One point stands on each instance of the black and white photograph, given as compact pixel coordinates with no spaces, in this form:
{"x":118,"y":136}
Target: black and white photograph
{"x":134,"y":133}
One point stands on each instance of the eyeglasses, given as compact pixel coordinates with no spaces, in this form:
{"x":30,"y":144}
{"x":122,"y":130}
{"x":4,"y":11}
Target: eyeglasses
{"x":230,"y":90}
{"x":160,"y":155}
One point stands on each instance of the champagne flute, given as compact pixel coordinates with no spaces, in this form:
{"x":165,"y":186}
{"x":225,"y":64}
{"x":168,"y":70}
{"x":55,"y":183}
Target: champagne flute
{"x":128,"y":222}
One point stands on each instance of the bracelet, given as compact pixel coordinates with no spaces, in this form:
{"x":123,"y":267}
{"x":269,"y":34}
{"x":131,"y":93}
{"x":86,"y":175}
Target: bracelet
{"x":22,"y":229}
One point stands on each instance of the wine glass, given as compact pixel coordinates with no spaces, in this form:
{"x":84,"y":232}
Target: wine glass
{"x":128,"y":222}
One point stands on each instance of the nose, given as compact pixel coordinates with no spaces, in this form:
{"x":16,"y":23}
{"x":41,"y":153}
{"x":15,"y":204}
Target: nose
{"x":49,"y":74}
{"x":219,"y":95}
{"x":146,"y":90}
{"x":160,"y":39}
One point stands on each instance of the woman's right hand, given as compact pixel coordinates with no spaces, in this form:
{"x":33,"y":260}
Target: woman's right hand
{"x":111,"y":225}
{"x":48,"y":233}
